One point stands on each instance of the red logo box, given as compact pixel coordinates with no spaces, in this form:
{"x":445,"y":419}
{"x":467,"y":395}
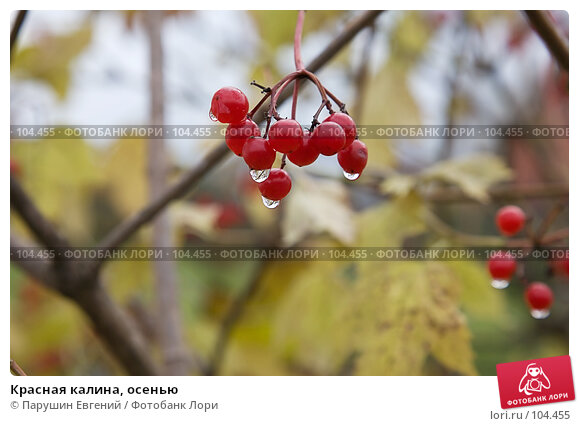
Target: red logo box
{"x":536,"y":381}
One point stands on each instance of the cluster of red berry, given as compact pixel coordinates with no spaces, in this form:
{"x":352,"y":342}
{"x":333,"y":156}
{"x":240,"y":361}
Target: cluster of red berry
{"x":335,"y":135}
{"x":502,"y":265}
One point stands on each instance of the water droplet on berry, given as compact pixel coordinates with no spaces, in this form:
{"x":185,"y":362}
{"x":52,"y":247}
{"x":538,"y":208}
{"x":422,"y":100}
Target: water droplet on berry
{"x":351,"y":176}
{"x":540,"y":313}
{"x":212,"y":116}
{"x":500,"y":284}
{"x":259,"y":175}
{"x":270,"y":204}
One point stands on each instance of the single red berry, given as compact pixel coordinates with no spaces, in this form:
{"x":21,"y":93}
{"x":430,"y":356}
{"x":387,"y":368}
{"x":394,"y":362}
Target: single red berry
{"x":305,"y":154}
{"x":286,"y":136}
{"x":276,"y":186}
{"x":560,"y":267}
{"x":229,"y":105}
{"x":15,"y":169}
{"x":353,"y":158}
{"x":230,"y":215}
{"x":539,"y":296}
{"x":502,"y":266}
{"x":328,"y":138}
{"x":510,"y":220}
{"x":347,"y":123}
{"x":258,"y":154}
{"x":238,"y":133}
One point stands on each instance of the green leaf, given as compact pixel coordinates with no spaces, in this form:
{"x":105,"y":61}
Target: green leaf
{"x":388,"y":224}
{"x":474,"y":175}
{"x":407,"y":311}
{"x":399,"y":185}
{"x":51,"y":58}
{"x":315,"y":207}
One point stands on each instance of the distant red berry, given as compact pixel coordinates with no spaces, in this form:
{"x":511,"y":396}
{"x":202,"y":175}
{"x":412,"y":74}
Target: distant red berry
{"x":286,"y":136}
{"x":329,"y":138}
{"x":238,"y":133}
{"x":276,"y":186}
{"x":306,"y":154}
{"x":258,"y":154}
{"x":230,"y":215}
{"x":510,"y":220}
{"x":354,"y":157}
{"x":229,"y":105}
{"x":502,"y":266}
{"x":560,"y":267}
{"x":15,"y":169}
{"x":347,"y":123}
{"x":539,"y":296}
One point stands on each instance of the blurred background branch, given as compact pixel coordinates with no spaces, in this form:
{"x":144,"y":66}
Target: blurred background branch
{"x":20,"y":16}
{"x":546,"y":29}
{"x":170,"y":330}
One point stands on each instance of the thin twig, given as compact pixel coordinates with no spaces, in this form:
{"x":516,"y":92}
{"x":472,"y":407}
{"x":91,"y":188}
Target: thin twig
{"x":15,"y":369}
{"x":556,"y":43}
{"x":361,"y":79}
{"x":16,"y":28}
{"x":548,"y":220}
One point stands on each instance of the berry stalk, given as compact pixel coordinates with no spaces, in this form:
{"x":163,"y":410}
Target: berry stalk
{"x":298,"y":40}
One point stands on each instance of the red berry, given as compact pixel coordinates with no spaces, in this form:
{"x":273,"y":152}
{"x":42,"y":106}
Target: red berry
{"x":15,"y":169}
{"x":539,"y":296}
{"x":347,"y":124}
{"x":276,"y":186}
{"x":229,"y":105}
{"x":329,"y":138}
{"x":502,"y":266}
{"x":305,"y":154}
{"x":286,"y":136}
{"x":238,"y":133}
{"x":258,"y":154}
{"x":230,"y":215}
{"x":354,"y":157}
{"x":510,"y":220}
{"x":560,"y":267}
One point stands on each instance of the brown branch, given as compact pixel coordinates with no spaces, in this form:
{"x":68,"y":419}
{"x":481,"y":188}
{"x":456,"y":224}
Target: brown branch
{"x":173,"y":349}
{"x":124,"y":230}
{"x":42,"y":229}
{"x":41,"y":270}
{"x":116,"y":329}
{"x":362,"y":74}
{"x":351,"y":30}
{"x":15,"y":369}
{"x":553,"y":39}
{"x":16,"y":28}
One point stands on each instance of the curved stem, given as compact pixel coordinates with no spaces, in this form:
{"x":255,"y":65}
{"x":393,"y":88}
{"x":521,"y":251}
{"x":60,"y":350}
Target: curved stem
{"x":338,"y":102}
{"x":258,"y":105}
{"x":298,"y":40}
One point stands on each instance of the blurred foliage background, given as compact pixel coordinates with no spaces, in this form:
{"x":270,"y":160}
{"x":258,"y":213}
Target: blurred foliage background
{"x":307,"y":317}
